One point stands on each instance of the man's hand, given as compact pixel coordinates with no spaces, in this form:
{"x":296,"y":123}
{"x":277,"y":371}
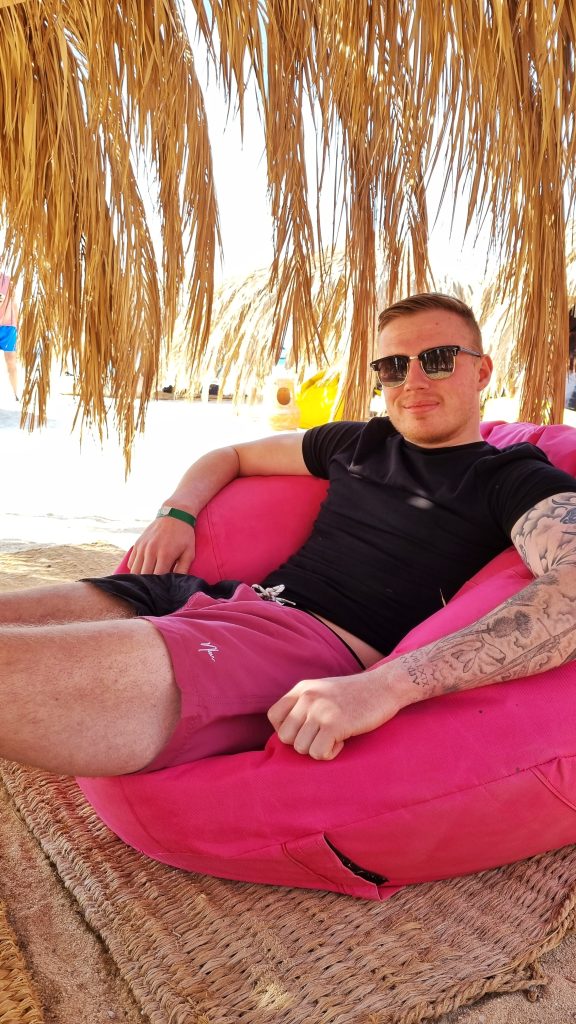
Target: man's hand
{"x":317,"y":715}
{"x":167,"y":545}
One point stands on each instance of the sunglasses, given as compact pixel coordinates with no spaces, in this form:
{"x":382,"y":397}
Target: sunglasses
{"x":437,"y":363}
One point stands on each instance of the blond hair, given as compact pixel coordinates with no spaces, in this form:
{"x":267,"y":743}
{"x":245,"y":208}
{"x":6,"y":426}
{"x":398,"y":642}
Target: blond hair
{"x":424,"y":301}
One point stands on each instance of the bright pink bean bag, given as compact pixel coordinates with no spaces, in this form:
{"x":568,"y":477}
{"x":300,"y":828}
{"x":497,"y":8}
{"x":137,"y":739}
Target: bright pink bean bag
{"x":452,"y":785}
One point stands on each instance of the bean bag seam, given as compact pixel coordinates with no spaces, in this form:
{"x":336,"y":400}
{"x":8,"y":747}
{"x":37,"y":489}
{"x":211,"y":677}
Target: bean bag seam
{"x":550,"y":785}
{"x":213,"y":541}
{"x":533,"y":768}
{"x":326,"y":830}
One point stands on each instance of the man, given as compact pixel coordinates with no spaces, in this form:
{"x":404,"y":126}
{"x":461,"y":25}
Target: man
{"x":154,"y":668}
{"x":9,"y":330}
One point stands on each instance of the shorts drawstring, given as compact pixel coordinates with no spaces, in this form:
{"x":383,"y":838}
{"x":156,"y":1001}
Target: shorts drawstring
{"x":272,"y":594}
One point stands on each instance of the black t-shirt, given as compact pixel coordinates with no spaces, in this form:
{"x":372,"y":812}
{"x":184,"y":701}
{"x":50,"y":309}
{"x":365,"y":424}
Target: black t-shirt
{"x":403,"y":527}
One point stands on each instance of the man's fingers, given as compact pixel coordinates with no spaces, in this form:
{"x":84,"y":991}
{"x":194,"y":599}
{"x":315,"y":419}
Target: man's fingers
{"x":318,"y":715}
{"x":135,"y":561}
{"x":324,"y":747}
{"x":289,"y":726}
{"x":305,"y":737}
{"x":140,"y":559}
{"x":165,"y":546}
{"x":278,"y":712}
{"x":305,"y":725}
{"x":184,"y":561}
{"x":149,"y":560}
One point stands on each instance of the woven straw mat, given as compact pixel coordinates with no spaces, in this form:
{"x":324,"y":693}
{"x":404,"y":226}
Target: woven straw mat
{"x":18,"y":1003}
{"x":199,"y":950}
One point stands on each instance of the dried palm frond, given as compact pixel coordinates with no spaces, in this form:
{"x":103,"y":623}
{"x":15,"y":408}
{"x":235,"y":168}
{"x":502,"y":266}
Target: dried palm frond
{"x":241,"y":353}
{"x":501,"y":324}
{"x":86,"y":92}
{"x":482,"y":92}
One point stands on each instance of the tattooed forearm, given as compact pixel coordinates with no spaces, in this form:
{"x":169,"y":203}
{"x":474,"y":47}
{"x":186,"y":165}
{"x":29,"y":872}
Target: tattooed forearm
{"x":545,"y":537}
{"x":531,"y":632}
{"x":416,"y":669}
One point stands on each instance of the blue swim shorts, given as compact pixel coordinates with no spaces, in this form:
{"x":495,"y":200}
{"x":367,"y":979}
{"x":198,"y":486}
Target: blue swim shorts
{"x":8,"y":338}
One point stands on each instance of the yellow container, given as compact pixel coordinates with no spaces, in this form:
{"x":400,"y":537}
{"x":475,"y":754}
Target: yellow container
{"x":280,"y":401}
{"x":316,"y":399}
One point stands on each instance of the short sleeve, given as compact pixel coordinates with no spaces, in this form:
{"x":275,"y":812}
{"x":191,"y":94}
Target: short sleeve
{"x":524,"y":477}
{"x":320,"y":444}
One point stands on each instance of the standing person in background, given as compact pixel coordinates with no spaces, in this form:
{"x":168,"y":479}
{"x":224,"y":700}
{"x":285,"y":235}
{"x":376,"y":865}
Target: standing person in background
{"x":9,"y":330}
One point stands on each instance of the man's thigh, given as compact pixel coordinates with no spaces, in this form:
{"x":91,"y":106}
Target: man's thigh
{"x":62,"y":602}
{"x":85,"y":698}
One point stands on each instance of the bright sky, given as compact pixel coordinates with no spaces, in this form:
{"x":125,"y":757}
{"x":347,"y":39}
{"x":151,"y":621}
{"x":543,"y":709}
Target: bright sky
{"x":240,"y":173}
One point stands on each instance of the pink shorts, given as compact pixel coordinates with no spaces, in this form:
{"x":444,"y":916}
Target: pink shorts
{"x":232,"y":659}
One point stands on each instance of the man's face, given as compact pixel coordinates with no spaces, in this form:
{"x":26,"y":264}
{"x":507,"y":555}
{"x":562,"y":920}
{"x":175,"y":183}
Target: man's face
{"x":433,"y":413}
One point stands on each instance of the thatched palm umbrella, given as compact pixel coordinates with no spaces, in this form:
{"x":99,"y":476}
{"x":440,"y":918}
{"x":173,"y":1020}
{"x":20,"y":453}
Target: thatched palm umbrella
{"x":501,"y":321}
{"x":241,"y":351}
{"x":87,"y":88}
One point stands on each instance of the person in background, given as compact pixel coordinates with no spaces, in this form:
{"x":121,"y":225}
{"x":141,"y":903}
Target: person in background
{"x":9,"y":331}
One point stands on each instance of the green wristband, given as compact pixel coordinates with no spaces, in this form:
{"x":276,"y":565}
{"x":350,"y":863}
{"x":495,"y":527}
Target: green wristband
{"x":176,"y":513}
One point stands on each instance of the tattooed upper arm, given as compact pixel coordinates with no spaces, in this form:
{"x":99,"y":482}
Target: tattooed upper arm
{"x":545,"y":536}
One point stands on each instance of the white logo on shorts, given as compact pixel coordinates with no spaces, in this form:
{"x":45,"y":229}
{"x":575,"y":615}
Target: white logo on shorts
{"x":206,"y":647}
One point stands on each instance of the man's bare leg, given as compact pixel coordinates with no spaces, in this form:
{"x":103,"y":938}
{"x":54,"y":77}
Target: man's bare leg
{"x":95,"y":698}
{"x":63,"y":602}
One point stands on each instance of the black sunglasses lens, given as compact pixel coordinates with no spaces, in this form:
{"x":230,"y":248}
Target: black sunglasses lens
{"x":438,"y":362}
{"x":392,"y":370}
